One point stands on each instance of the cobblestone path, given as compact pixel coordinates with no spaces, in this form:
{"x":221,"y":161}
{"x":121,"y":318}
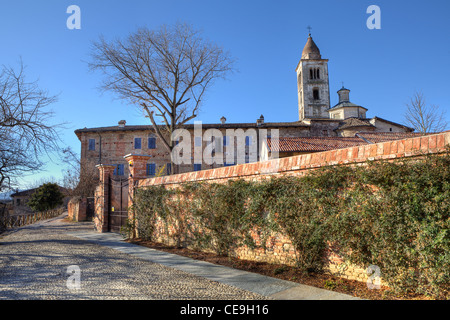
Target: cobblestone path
{"x":34,"y":261}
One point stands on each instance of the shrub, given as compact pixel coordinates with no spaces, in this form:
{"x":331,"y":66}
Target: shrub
{"x":46,"y":197}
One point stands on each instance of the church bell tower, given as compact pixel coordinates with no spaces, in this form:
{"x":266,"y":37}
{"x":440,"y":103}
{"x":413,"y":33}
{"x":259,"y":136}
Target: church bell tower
{"x":313,"y":83}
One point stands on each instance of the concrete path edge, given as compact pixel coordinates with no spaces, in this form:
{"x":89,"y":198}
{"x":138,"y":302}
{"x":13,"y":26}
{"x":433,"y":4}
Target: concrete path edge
{"x":267,"y":286}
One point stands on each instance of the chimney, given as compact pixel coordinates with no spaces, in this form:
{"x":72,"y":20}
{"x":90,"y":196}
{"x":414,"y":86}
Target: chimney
{"x":223,"y":120}
{"x":260,"y":121}
{"x":122,"y":123}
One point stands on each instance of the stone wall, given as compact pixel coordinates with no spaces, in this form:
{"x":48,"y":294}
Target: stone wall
{"x":76,"y":208}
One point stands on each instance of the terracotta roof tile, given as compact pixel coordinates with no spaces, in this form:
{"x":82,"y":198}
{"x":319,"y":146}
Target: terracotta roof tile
{"x":354,"y":122}
{"x":376,"y":137}
{"x":313,"y":144}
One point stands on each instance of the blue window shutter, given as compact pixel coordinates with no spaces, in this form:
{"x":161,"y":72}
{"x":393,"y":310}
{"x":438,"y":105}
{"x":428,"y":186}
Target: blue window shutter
{"x":248,"y":141}
{"x":151,"y":169}
{"x":137,"y":143}
{"x":225,"y":140}
{"x":152,"y":143}
{"x":169,"y":168}
{"x":197,"y":167}
{"x":91,"y":144}
{"x":119,"y":170}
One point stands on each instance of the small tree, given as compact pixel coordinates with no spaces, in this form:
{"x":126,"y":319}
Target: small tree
{"x":46,"y":197}
{"x":424,"y":118}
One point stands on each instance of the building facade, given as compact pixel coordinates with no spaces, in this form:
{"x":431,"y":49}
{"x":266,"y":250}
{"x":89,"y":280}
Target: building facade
{"x":317,"y":119}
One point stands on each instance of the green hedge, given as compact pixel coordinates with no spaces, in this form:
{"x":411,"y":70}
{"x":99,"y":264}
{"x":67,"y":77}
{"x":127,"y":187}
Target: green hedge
{"x":391,"y":214}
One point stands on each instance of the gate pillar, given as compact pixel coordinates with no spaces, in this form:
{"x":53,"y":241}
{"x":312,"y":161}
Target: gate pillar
{"x":137,"y":165}
{"x":102,"y":197}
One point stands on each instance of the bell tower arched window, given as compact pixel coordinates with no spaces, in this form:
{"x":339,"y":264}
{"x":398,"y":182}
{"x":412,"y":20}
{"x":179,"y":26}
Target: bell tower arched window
{"x":314,"y":73}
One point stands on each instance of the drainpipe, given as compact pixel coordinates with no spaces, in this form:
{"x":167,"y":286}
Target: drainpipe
{"x":368,"y":141}
{"x":99,"y":148}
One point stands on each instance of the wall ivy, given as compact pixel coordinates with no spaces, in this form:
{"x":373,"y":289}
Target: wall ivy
{"x":391,"y":214}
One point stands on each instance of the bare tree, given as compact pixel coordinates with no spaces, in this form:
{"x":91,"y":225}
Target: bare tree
{"x":164,"y":72}
{"x":424,"y":118}
{"x":25,"y":131}
{"x":80,"y":178}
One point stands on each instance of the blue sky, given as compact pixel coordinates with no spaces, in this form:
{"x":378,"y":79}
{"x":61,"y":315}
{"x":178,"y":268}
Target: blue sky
{"x":382,"y":68}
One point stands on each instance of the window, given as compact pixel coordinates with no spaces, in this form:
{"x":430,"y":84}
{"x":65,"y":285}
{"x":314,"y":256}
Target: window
{"x":137,"y":143}
{"x":91,"y":144}
{"x":119,"y":170}
{"x":311,"y":76}
{"x":248,"y":141}
{"x":197,"y":167}
{"x":316,"y":94}
{"x":318,"y":73}
{"x":152,"y":143}
{"x":151,"y":169}
{"x":169,"y":168}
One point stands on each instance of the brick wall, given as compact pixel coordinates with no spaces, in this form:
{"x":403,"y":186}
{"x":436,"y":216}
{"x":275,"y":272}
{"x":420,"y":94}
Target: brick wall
{"x":76,"y":208}
{"x":279,"y":248}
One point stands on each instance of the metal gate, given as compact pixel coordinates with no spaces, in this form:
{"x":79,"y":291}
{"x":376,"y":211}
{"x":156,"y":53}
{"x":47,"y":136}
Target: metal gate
{"x":90,"y":209}
{"x":118,"y":205}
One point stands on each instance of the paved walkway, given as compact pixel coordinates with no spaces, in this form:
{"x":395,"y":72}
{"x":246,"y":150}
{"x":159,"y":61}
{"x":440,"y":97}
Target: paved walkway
{"x":34,"y":261}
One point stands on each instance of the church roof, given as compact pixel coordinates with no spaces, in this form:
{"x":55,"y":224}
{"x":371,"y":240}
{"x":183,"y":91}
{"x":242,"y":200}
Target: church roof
{"x":312,"y":144}
{"x":311,"y":51}
{"x":377,"y":137}
{"x":354,"y":122}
